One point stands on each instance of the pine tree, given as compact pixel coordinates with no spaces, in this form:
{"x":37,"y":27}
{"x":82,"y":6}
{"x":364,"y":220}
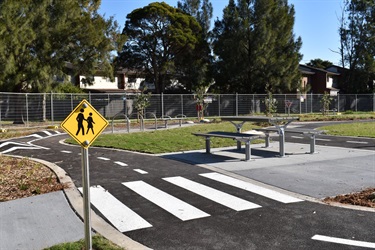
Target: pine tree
{"x":256,"y":47}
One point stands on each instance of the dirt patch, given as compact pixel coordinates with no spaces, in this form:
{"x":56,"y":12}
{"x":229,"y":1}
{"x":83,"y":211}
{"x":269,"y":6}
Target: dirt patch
{"x":365,"y":198}
{"x":20,"y":178}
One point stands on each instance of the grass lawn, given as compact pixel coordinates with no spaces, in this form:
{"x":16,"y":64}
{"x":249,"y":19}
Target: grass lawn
{"x":171,"y":140}
{"x":181,"y":139}
{"x":358,"y":129}
{"x":98,"y":243}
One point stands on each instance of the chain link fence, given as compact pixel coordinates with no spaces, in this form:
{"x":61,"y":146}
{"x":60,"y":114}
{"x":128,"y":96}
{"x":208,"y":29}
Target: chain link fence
{"x":41,"y":109}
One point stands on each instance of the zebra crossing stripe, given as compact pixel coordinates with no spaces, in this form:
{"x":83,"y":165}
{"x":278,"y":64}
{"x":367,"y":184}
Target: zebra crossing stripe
{"x":47,"y":132}
{"x":220,"y":197}
{"x":251,"y":188}
{"x":173,"y":205}
{"x":122,"y":217}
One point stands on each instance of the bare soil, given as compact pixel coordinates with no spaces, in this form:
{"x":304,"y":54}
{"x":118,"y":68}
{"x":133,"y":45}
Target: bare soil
{"x":365,"y":198}
{"x":20,"y":178}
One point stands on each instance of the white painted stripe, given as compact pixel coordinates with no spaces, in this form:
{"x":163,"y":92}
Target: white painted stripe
{"x":57,"y":132}
{"x":140,"y":171}
{"x":121,"y":163}
{"x":251,"y":188}
{"x":176,"y":207}
{"x":47,"y":132}
{"x":103,"y":158}
{"x":220,"y":197}
{"x":356,"y":243}
{"x":34,"y":135}
{"x":320,"y":139}
{"x":358,"y":142}
{"x":297,"y":137}
{"x":16,"y":148}
{"x":67,"y":152}
{"x":13,"y":143}
{"x":122,"y":217}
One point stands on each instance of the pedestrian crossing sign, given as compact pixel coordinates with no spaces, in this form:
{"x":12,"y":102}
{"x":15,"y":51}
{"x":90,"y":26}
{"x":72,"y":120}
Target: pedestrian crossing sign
{"x":84,"y":124}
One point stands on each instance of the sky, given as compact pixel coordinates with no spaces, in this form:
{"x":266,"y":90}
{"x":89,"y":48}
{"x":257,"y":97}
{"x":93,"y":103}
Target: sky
{"x":316,"y":22}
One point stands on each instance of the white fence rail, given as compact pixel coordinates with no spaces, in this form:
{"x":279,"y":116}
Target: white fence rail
{"x":51,"y":108}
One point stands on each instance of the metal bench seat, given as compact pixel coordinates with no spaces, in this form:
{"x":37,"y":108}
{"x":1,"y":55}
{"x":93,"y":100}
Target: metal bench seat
{"x":240,"y":137}
{"x":306,"y":132}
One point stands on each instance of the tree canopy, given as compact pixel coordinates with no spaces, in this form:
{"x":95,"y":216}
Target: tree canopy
{"x":38,"y":38}
{"x":319,"y":63}
{"x":158,"y":35}
{"x":194,"y":71}
{"x":255,"y":47}
{"x":357,"y":47}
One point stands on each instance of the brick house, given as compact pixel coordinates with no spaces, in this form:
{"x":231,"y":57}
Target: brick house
{"x":320,"y":80}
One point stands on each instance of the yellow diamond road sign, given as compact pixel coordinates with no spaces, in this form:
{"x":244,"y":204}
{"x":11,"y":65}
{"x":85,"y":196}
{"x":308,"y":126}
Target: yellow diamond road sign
{"x":84,"y":124}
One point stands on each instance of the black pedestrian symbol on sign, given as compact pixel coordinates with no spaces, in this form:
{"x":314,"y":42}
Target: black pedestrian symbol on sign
{"x":90,"y":123}
{"x":80,"y":118}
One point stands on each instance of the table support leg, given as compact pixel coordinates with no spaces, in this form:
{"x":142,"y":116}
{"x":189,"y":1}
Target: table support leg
{"x":312,"y":144}
{"x":282,"y":141}
{"x":208,"y":144}
{"x":247,"y":151}
{"x":238,"y":129}
{"x":267,"y":140}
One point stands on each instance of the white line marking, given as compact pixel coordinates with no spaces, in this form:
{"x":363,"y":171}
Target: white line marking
{"x":320,"y":139}
{"x":358,"y":142}
{"x":12,"y":143}
{"x":103,"y":158}
{"x":297,"y":137}
{"x":16,"y":148}
{"x":356,"y":243}
{"x":140,"y":171}
{"x":220,"y":197}
{"x":121,"y":163}
{"x":176,"y":207}
{"x":122,"y":217}
{"x":251,"y":188}
{"x":67,"y":152}
{"x":47,"y":132}
{"x":34,"y":135}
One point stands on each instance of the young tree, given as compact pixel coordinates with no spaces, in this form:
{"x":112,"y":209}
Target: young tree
{"x":39,"y":37}
{"x":257,"y":38}
{"x":157,"y":35}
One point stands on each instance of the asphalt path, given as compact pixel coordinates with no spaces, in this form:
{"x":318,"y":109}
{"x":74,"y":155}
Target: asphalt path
{"x":271,"y":225}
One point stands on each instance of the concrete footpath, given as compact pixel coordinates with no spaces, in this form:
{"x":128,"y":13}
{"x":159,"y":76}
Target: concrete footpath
{"x":45,"y":220}
{"x":328,"y":172}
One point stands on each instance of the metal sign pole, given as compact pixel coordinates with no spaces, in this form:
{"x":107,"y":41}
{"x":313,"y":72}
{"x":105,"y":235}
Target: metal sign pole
{"x":86,"y":197}
{"x":73,"y":125}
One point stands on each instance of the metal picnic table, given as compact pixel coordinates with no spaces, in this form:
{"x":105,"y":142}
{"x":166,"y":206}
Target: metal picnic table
{"x":280,"y":123}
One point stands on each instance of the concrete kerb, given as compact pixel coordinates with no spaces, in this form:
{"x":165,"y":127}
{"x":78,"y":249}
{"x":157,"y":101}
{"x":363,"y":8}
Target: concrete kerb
{"x":76,"y":201}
